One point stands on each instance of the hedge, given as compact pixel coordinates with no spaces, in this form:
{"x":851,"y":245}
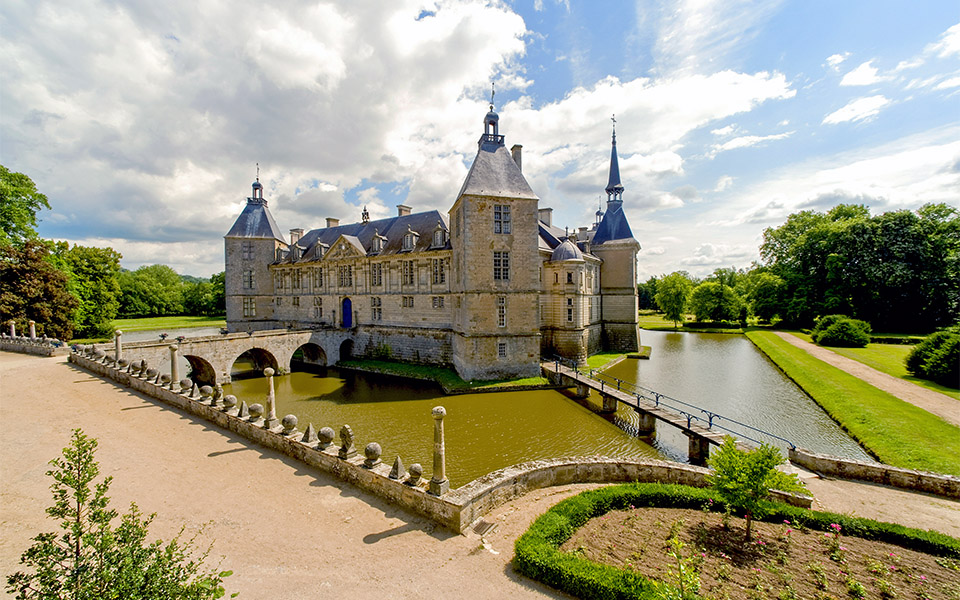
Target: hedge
{"x":537,"y":552}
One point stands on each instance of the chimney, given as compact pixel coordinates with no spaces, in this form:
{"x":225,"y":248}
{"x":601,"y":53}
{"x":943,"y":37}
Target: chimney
{"x":515,"y":153}
{"x":331,"y":222}
{"x":545,"y":215}
{"x":295,"y":235}
{"x":403,"y":210}
{"x":582,"y":233}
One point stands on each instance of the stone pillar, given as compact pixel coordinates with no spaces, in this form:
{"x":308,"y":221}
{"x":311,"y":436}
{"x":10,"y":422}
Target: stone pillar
{"x":174,"y":366}
{"x":13,"y":329}
{"x":439,"y":485}
{"x":117,"y":345}
{"x":33,"y":330}
{"x":698,"y":449}
{"x":646,"y":423}
{"x":583,"y":391}
{"x":270,"y":421}
{"x":609,"y":405}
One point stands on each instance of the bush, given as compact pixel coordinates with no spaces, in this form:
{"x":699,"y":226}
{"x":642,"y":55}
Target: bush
{"x":937,"y":358}
{"x":841,"y":330}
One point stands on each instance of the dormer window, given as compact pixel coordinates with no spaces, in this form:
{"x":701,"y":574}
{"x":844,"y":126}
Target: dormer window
{"x":409,"y":239}
{"x":439,"y":235}
{"x":378,"y":241}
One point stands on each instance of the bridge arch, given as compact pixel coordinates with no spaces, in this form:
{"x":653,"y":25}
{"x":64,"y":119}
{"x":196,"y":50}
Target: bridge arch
{"x":308,"y":357}
{"x":201,"y":371}
{"x":253,"y":360}
{"x":346,"y":349}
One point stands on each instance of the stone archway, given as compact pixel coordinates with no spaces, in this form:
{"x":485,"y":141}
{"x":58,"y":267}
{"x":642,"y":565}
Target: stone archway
{"x":346,"y":350}
{"x":201,"y":371}
{"x":252,"y":363}
{"x":309,"y":357}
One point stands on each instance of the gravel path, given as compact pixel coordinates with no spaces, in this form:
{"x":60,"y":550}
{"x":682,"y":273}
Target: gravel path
{"x":286,"y":530}
{"x":939,"y":404}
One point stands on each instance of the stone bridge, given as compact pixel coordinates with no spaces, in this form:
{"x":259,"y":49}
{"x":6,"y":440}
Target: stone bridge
{"x":211,"y":358}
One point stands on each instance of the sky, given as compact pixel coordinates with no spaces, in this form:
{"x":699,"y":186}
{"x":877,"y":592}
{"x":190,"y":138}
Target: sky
{"x":144,"y":122}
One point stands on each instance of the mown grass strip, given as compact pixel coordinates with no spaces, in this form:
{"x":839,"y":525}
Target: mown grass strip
{"x":891,"y":359}
{"x":896,"y":432}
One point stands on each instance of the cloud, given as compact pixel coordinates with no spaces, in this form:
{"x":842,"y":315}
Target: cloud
{"x":948,"y":44}
{"x":724,"y":130}
{"x":746,"y":141}
{"x":948,"y":84}
{"x":865,"y":74}
{"x":716,"y":255}
{"x":834,"y":60}
{"x":857,"y":110}
{"x":723,"y":183}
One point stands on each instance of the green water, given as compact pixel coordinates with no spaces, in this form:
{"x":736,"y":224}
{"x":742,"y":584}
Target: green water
{"x":484,"y":432}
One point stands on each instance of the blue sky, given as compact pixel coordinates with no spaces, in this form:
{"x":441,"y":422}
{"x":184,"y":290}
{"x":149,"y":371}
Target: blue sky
{"x":143,"y":123}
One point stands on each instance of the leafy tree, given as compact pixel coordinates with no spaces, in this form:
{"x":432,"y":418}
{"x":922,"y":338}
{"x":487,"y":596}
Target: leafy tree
{"x":32,"y":288}
{"x":219,"y":281}
{"x":743,"y":479}
{"x":937,"y":358}
{"x":92,"y":559}
{"x":646,"y":294}
{"x":766,"y":296}
{"x":95,"y":281}
{"x":673,"y":295}
{"x":19,"y":203}
{"x":712,"y":301}
{"x":151,"y":290}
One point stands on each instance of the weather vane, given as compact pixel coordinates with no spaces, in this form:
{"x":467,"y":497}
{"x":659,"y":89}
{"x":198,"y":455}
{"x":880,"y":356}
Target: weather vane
{"x":258,"y":171}
{"x":493,"y":92}
{"x":614,"y":119}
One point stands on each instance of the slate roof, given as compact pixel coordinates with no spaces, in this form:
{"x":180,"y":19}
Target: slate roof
{"x":494,"y":173}
{"x":566,"y":251}
{"x":613,"y":183}
{"x":613,"y":226}
{"x":360,"y":235}
{"x":255,"y":221}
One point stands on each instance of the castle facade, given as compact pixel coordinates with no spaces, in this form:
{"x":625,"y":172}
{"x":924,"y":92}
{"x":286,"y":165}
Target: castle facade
{"x":488,"y":288}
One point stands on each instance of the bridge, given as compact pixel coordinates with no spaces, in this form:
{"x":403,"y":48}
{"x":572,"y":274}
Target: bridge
{"x":211,"y":358}
{"x":701,"y":426}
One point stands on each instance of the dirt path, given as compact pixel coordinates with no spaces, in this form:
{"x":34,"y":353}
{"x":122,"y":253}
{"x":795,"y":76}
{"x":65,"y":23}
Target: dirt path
{"x":939,"y":404}
{"x":286,"y":530}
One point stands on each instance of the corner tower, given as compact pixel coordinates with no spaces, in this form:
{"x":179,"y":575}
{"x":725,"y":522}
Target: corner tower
{"x":250,"y":247}
{"x":495,"y":265}
{"x":614,"y":243}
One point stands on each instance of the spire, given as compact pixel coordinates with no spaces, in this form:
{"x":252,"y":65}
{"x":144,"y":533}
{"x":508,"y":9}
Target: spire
{"x":614,"y":188}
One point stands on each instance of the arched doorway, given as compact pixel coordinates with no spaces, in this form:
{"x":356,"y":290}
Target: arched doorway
{"x":310,"y":358}
{"x":346,"y":313}
{"x":201,"y":372}
{"x":346,"y":350}
{"x":252,"y":363}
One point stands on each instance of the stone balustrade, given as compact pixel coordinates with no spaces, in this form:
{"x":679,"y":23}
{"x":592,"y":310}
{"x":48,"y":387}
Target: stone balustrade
{"x":40,"y":346}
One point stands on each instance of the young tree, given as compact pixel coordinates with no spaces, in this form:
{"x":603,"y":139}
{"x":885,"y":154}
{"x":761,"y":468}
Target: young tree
{"x":19,"y":203}
{"x":92,"y":560}
{"x":743,"y":479}
{"x":673,"y":294}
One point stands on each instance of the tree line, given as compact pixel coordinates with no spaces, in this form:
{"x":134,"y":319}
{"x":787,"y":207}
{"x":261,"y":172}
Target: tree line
{"x":74,"y":290}
{"x":898,"y":271}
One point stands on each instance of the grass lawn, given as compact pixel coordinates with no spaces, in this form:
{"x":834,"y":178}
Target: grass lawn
{"x":649,"y":319}
{"x":889,"y":359}
{"x":895,"y":431}
{"x":150,"y":323}
{"x":447,"y":378}
{"x":600,"y":359}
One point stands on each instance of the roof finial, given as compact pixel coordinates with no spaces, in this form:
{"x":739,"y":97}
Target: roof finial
{"x":613,"y":118}
{"x":258,"y":171}
{"x":493,"y":92}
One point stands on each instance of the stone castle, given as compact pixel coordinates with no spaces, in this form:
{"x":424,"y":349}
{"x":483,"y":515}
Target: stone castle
{"x":487,"y":288}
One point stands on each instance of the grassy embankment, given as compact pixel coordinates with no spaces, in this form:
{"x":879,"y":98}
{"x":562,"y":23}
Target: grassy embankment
{"x":896,"y":432}
{"x":447,"y":378}
{"x":654,"y":321}
{"x":151,"y":323}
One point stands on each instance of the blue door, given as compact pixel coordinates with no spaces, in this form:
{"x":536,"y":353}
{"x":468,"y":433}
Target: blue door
{"x":347,"y":312}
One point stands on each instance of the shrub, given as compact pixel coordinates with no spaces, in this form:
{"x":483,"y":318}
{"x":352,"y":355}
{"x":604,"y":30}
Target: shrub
{"x":840,"y":330}
{"x":937,"y":358}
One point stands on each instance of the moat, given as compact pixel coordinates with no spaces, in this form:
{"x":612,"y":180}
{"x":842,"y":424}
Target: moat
{"x":489,"y":431}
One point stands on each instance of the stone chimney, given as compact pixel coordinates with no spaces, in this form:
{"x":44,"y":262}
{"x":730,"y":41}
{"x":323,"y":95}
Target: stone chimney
{"x":545,"y":215}
{"x":295,"y":235}
{"x":331,"y":222}
{"x":515,"y":153}
{"x":403,"y":210}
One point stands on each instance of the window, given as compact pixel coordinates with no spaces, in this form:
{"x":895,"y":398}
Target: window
{"x":501,"y":311}
{"x":408,"y":241}
{"x":246,"y":250}
{"x":569,"y":310}
{"x":406,"y":301}
{"x":278,"y":276}
{"x":318,"y":278}
{"x":501,"y":349}
{"x":438,"y":237}
{"x":318,"y":307}
{"x":501,"y":219}
{"x":346,"y":276}
{"x":248,"y":280}
{"x":296,"y":300}
{"x":376,"y":274}
{"x":438,"y":301}
{"x":376,"y":310}
{"x":377,"y":243}
{"x":249,"y":307}
{"x":297,"y":279}
{"x":556,"y":277}
{"x":501,"y":266}
{"x":569,"y":277}
{"x":408,"y":272}
{"x":278,"y":301}
{"x":439,"y":270}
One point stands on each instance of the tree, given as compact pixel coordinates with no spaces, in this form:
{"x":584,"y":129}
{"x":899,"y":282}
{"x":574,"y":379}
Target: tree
{"x":32,"y":288}
{"x":743,"y":479}
{"x":219,"y":283}
{"x":766,"y":297}
{"x":711,"y":301}
{"x":92,"y":559}
{"x":673,"y":294}
{"x":151,"y":290}
{"x":95,"y":281}
{"x":19,"y":203}
{"x":646,"y":294}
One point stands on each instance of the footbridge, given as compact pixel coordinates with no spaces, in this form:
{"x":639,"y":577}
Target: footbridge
{"x":701,"y":426}
{"x":211,"y":358}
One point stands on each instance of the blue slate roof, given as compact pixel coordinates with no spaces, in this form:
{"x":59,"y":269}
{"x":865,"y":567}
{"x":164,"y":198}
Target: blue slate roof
{"x":566,"y":251}
{"x":255,"y":221}
{"x":613,"y":226}
{"x":494,"y":173}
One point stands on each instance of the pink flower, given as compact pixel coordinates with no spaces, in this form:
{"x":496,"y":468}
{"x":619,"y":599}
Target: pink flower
{"x":786,"y":521}
{"x":789,"y":531}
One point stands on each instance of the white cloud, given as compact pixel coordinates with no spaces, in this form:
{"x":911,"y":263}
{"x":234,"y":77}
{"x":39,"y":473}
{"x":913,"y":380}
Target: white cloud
{"x":724,"y":130}
{"x":834,"y":60}
{"x":746,"y":141}
{"x":948,"y":45}
{"x":865,"y":74}
{"x":717,"y":255}
{"x":723,"y":183}
{"x":948,"y":84}
{"x":857,"y":110}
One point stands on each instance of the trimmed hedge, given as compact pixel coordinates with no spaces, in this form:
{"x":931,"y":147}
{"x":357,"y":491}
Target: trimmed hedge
{"x":537,"y":552}
{"x":937,"y":358}
{"x":842,"y":331}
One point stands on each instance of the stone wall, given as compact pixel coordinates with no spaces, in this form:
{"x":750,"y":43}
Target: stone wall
{"x":947,"y":486}
{"x":25,"y":345}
